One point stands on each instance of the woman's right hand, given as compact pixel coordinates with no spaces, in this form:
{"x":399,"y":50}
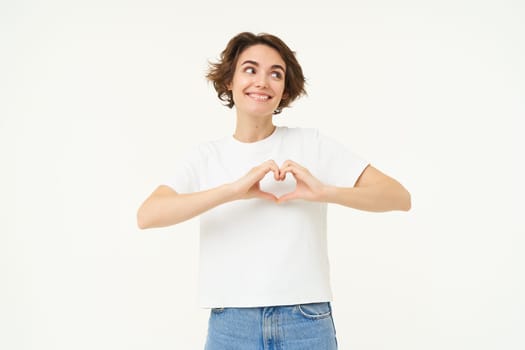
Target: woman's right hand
{"x":165,"y":207}
{"x":248,"y":186}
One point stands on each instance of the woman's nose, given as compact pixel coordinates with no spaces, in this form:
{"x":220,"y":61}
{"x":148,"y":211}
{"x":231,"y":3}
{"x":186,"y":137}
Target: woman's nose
{"x":260,"y":81}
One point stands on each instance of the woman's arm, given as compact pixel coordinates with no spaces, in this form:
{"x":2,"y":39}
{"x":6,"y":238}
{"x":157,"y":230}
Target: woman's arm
{"x":373,"y":191}
{"x":166,"y":207}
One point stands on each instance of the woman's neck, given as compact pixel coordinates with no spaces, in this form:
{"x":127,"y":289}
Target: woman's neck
{"x":253,"y":129}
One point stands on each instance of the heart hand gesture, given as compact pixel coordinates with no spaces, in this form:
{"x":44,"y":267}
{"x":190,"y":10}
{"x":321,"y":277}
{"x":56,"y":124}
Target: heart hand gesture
{"x":308,"y":187}
{"x":248,"y":186}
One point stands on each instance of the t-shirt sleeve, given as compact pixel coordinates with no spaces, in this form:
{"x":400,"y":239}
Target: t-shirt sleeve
{"x":185,"y":178}
{"x":338,"y":165}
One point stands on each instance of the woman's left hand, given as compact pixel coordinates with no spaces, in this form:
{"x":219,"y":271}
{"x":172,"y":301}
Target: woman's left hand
{"x":373,"y":191}
{"x":308,"y":187}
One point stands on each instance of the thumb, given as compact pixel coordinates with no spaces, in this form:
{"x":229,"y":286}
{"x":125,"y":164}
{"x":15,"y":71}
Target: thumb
{"x":288,"y":197}
{"x":265,"y":195}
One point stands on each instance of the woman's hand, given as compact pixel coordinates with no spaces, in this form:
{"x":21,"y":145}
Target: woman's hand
{"x":308,"y":187}
{"x":248,"y":187}
{"x":373,"y":191}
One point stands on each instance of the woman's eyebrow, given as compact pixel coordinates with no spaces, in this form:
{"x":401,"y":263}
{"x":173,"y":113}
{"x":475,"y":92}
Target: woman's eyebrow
{"x":256,"y":64}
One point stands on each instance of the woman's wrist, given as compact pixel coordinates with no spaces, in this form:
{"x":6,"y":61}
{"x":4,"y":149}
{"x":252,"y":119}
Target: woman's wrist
{"x":230,"y":191}
{"x":329,"y":194}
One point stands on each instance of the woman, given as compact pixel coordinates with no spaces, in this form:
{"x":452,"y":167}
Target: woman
{"x":262,"y":193}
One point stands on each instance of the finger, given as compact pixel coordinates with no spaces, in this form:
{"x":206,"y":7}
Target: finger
{"x":291,"y":162}
{"x":294,"y":170}
{"x":266,"y":195}
{"x":265,"y":168}
{"x":284,"y":171}
{"x":288,"y":197}
{"x":286,"y":168}
{"x":275,"y":169}
{"x":271,"y":165}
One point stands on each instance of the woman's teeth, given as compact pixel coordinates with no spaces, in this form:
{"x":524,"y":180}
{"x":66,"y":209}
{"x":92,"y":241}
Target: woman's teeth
{"x":259,"y":97}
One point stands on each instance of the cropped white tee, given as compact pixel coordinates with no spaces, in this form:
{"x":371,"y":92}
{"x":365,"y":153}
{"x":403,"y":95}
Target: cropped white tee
{"x":255,"y":252}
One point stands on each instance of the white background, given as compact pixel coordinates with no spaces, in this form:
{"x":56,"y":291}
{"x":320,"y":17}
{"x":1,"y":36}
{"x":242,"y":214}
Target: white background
{"x":99,"y":98}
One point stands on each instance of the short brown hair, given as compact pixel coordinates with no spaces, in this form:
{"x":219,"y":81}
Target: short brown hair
{"x":221,"y":73}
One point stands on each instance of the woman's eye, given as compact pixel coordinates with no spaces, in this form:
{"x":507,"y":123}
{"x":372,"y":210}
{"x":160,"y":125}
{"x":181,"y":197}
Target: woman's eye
{"x":249,"y":70}
{"x":277,"y":75}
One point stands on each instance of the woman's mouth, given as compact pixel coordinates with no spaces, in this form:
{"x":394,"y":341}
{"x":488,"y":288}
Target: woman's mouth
{"x":258,"y":97}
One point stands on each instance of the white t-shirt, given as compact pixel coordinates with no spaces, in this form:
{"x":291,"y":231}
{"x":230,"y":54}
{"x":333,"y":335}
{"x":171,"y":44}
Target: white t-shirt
{"x":255,"y":252}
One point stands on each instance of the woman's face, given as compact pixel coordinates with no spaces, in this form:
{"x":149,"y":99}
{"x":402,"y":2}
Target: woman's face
{"x":258,"y":81}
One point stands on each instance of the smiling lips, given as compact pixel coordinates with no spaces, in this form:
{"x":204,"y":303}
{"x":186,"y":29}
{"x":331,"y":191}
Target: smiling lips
{"x":258,"y":97}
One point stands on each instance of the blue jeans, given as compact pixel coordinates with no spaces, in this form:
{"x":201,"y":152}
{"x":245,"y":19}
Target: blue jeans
{"x":290,"y":327}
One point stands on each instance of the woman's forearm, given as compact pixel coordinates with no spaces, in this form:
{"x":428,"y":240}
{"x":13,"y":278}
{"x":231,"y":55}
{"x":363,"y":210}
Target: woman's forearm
{"x":386,"y":196}
{"x":166,"y":207}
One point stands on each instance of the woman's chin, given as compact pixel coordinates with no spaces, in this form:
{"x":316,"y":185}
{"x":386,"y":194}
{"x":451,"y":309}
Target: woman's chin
{"x":257,"y":111}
